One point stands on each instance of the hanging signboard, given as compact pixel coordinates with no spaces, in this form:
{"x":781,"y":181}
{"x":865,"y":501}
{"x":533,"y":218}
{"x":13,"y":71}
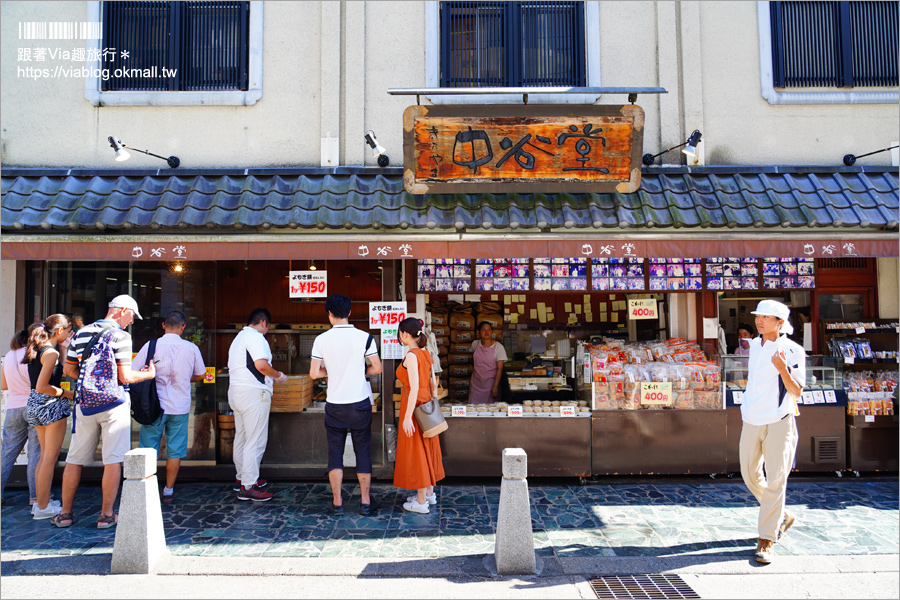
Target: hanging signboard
{"x":308,"y":284}
{"x":386,"y":314}
{"x":522,"y":148}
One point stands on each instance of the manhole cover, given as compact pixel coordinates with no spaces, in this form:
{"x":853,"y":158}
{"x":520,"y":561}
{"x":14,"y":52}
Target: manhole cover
{"x":642,"y":586}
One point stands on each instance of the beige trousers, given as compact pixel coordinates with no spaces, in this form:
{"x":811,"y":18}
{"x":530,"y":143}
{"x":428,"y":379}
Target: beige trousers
{"x":251,"y":430}
{"x":773,"y":446}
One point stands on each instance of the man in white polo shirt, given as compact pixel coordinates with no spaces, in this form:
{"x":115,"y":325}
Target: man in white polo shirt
{"x":775,"y":379}
{"x":250,"y":375}
{"x":341,"y":354}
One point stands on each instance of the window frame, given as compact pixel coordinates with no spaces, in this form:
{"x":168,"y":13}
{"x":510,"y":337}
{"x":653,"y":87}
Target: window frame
{"x":591,"y":61}
{"x":767,"y":77}
{"x":249,"y":97}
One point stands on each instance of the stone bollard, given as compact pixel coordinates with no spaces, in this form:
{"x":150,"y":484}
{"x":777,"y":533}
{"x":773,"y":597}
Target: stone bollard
{"x":514,"y":548}
{"x":140,"y":538}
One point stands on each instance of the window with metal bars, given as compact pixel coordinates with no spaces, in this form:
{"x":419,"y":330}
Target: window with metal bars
{"x":834,"y":44}
{"x":512,"y":44}
{"x":176,"y":46}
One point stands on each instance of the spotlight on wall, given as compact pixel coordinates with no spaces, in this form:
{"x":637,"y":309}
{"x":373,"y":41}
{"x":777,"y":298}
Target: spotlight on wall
{"x":122,"y":154}
{"x":378,"y":150}
{"x":850,"y":159}
{"x":690,"y":148}
{"x":312,"y":265}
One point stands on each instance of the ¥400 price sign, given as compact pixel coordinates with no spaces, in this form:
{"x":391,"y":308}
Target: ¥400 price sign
{"x":656,"y":393}
{"x":644,"y":308}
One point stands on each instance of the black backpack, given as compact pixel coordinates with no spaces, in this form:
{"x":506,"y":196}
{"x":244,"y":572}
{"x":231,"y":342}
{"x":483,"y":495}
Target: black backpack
{"x":145,"y":406}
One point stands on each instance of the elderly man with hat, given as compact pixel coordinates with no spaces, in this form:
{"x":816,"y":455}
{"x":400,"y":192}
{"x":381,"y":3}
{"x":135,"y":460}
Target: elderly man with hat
{"x":776,"y":374}
{"x":109,"y":422}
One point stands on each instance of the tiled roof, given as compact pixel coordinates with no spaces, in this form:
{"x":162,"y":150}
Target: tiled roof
{"x":752,"y":198}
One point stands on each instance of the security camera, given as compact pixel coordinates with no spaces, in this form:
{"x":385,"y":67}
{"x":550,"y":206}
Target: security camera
{"x":378,"y":150}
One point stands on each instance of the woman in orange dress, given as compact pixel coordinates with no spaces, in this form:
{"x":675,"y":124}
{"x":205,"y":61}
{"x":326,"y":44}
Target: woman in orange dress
{"x":419,"y":464}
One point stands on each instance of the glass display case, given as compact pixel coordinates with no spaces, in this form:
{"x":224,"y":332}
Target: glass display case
{"x":824,"y":379}
{"x":671,"y":374}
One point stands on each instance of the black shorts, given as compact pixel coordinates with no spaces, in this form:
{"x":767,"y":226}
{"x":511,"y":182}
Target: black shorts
{"x":357,"y":419}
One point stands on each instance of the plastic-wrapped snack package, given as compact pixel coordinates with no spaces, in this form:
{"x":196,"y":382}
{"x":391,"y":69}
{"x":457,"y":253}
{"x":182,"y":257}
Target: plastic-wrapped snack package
{"x":712,"y":377}
{"x":887,"y":407}
{"x":684,"y":399}
{"x":863,"y":349}
{"x":875,"y":407}
{"x":848,"y":350}
{"x":632,"y":400}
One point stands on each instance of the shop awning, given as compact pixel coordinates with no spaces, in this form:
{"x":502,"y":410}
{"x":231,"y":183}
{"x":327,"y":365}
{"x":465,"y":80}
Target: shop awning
{"x":713,"y":204}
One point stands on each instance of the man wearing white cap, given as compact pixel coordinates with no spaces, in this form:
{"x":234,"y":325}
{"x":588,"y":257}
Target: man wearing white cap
{"x":776,"y":374}
{"x":106,"y":415}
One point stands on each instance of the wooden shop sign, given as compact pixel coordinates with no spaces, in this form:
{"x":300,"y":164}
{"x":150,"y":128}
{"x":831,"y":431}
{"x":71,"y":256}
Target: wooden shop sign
{"x":567,"y":148}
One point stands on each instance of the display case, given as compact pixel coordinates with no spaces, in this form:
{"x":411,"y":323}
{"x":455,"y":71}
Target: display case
{"x":820,"y":426}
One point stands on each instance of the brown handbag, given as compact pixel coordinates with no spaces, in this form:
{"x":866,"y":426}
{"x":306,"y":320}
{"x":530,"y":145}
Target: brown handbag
{"x":429,"y":416}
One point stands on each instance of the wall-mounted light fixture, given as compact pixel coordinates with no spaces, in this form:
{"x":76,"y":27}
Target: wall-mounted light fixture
{"x":690,"y":148}
{"x":850,"y":159}
{"x":378,"y":150}
{"x":312,"y":265}
{"x":122,"y":154}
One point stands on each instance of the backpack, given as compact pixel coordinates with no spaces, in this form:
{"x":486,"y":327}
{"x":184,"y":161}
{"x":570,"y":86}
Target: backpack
{"x":145,"y":407}
{"x":98,"y":385}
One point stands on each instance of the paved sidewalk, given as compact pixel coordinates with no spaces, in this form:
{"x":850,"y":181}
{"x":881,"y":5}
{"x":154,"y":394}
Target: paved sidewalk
{"x":658,"y":520}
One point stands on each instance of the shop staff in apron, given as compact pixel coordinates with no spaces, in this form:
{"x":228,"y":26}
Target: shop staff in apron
{"x":776,"y":374}
{"x":489,"y":356}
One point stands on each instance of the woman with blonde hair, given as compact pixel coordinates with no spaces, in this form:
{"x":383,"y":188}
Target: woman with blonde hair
{"x":48,"y":404}
{"x":419,"y":464}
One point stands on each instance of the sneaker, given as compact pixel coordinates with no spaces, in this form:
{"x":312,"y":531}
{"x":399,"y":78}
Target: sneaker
{"x":53,"y":502}
{"x":785,"y":524}
{"x":414,"y":506}
{"x":167,"y":498}
{"x":367,"y":509}
{"x":431,"y":500}
{"x":254,"y":493}
{"x":51,"y":511}
{"x":260,"y":483}
{"x":764,"y":551}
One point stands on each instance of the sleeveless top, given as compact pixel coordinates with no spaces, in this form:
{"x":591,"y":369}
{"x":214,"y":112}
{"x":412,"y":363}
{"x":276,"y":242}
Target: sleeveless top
{"x":34,"y":370}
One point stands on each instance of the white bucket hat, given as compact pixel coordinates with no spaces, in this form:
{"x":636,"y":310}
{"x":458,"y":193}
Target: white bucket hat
{"x":125,"y":301}
{"x":775,"y":309}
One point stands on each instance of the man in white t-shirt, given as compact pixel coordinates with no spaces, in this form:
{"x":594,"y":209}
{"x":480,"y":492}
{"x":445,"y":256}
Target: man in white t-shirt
{"x":775,"y":379}
{"x":250,"y":375}
{"x":341,"y":354}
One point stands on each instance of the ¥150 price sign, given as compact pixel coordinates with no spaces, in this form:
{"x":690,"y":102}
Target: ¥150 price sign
{"x":644,"y":308}
{"x":656,"y":393}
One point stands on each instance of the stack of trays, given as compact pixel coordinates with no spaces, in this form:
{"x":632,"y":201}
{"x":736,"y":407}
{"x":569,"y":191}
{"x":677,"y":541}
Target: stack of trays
{"x":292,"y":396}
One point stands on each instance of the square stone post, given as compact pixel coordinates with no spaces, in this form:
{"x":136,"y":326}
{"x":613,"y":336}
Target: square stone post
{"x":140,"y":537}
{"x":514,"y":547}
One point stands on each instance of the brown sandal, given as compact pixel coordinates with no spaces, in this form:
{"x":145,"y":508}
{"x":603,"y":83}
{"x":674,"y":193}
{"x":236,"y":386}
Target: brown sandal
{"x":107,"y":521}
{"x":63,"y":519}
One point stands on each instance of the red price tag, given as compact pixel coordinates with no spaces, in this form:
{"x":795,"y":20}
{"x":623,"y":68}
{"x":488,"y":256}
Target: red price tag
{"x":514,"y":411}
{"x":567,"y":411}
{"x":459,"y":411}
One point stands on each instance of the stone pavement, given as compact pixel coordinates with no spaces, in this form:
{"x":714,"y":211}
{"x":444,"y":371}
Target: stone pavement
{"x":846,"y":517}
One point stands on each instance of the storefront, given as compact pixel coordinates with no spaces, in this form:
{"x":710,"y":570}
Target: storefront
{"x":216,"y":246}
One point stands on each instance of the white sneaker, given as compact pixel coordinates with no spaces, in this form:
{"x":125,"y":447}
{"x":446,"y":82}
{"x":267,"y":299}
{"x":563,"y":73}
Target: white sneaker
{"x":414,"y":506}
{"x":53,"y":509}
{"x":431,"y":500}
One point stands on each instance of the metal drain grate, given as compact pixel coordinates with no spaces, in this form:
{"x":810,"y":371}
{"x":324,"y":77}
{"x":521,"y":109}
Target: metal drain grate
{"x":663,"y":587}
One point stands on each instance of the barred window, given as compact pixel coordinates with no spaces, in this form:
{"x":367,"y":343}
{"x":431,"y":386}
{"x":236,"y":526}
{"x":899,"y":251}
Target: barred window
{"x":176,"y":46}
{"x":512,"y":44}
{"x":834,"y":44}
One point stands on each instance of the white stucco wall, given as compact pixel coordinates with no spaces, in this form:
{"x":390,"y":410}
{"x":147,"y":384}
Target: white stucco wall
{"x":327,"y":66}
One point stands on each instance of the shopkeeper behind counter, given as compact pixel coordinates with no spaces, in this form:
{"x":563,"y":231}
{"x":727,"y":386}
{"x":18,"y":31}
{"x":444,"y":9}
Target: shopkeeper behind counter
{"x":488,"y":356}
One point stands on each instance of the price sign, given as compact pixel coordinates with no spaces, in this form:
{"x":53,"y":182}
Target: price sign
{"x":391,"y":348}
{"x":514,"y":411}
{"x":642,"y":309}
{"x":567,"y":411}
{"x":819,"y":397}
{"x":849,"y":360}
{"x":386,"y":314}
{"x":459,"y":411}
{"x":210,"y":376}
{"x":808,"y":398}
{"x":860,"y":330}
{"x":65,"y":385}
{"x":738,"y":397}
{"x":870,"y":418}
{"x":656,"y":392}
{"x":308,"y":284}
{"x":830,"y":398}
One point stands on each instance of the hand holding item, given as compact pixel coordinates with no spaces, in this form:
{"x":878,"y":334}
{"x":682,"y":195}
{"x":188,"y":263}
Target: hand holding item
{"x":408,"y":428}
{"x":282,"y":378}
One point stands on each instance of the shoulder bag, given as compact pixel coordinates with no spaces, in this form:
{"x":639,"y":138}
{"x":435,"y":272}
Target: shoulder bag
{"x":429,"y":416}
